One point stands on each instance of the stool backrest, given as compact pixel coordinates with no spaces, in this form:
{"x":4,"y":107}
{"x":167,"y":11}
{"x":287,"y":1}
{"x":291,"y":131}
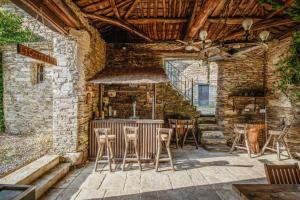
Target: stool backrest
{"x":190,"y":123}
{"x":240,"y":128}
{"x":172,"y":123}
{"x":101,"y":131}
{"x":164,"y":131}
{"x":130,"y":130}
{"x":283,"y":174}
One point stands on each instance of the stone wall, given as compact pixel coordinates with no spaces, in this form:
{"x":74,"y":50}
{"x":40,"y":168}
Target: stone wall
{"x":282,"y":106}
{"x":80,"y":55}
{"x":234,"y":77}
{"x":168,"y":102}
{"x":27,"y":105}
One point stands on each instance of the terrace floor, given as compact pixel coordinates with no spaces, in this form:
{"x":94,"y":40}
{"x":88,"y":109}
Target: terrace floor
{"x":199,"y":175}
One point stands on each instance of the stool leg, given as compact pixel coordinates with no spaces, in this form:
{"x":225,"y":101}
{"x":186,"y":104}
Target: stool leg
{"x":99,"y":156}
{"x":286,"y":147}
{"x":170,"y":156}
{"x":137,"y":154}
{"x":193,"y":132}
{"x":157,"y":156}
{"x":125,"y":154}
{"x":278,"y":149}
{"x":266,"y":145}
{"x":184,"y":138}
{"x":112,"y":153}
{"x":177,"y":140}
{"x":108,"y":156}
{"x":247,"y":145}
{"x":234,"y":143}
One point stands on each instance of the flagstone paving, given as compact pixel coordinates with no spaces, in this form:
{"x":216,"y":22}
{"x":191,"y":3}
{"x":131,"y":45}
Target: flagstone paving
{"x":199,"y":175}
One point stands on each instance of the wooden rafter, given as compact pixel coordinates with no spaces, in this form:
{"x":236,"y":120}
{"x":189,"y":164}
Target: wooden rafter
{"x":195,"y":5}
{"x":114,"y":7}
{"x":200,"y":19}
{"x":132,"y":7}
{"x":157,"y":20}
{"x":260,"y":26}
{"x":119,"y":23}
{"x":231,"y":20}
{"x":286,"y":5}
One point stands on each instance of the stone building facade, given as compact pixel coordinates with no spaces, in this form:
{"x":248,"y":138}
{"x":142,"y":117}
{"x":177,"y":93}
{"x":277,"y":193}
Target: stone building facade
{"x":57,"y":106}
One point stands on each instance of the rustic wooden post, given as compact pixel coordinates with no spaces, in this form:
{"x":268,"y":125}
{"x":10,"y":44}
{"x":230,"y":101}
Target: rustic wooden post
{"x":192,"y":92}
{"x":154,"y":101}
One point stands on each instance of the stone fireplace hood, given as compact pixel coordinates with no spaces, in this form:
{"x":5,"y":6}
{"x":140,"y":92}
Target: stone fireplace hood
{"x":127,"y":75}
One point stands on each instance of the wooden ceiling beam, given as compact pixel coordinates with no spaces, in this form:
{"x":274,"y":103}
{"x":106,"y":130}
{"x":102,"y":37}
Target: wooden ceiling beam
{"x":51,"y":19}
{"x":260,"y":26}
{"x":132,"y":7}
{"x":119,"y":23}
{"x":64,"y":12}
{"x":287,"y":4}
{"x":114,"y":7}
{"x":157,"y":20}
{"x":195,"y":5}
{"x":231,"y":20}
{"x":199,"y":20}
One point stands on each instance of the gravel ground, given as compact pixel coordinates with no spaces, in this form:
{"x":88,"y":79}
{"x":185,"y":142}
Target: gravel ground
{"x":18,"y":150}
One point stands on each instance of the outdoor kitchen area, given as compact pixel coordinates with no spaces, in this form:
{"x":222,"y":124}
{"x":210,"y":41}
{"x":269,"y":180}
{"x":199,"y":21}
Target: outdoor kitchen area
{"x":149,"y":99}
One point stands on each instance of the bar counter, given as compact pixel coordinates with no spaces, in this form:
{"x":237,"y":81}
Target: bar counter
{"x":146,"y":142}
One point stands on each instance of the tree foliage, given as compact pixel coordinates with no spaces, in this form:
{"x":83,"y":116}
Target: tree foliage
{"x":11,"y":30}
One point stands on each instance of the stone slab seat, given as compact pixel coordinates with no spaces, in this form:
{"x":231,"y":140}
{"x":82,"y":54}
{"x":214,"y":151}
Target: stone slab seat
{"x":31,"y":172}
{"x":45,"y":182}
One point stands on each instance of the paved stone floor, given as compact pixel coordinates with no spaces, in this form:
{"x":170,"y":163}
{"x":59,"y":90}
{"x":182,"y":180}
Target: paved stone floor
{"x":199,"y":175}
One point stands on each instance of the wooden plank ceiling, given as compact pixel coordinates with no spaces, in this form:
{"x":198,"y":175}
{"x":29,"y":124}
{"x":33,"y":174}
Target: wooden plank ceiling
{"x":167,"y":20}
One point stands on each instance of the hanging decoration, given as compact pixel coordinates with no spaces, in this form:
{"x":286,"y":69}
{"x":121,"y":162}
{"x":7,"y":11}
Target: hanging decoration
{"x":29,"y":52}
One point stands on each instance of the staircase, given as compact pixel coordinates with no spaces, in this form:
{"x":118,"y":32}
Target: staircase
{"x":212,"y":138}
{"x":42,"y":173}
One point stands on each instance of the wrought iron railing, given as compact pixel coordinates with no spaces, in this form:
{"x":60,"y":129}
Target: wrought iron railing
{"x":183,"y":84}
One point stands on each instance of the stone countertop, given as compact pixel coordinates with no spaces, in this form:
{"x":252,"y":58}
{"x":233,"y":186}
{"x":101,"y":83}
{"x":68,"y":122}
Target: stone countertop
{"x":138,"y":121}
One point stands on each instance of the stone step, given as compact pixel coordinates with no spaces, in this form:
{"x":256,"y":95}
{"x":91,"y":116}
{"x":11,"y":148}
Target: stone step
{"x":32,"y":171}
{"x":212,"y":134}
{"x":44,"y":183}
{"x":208,"y":127}
{"x":213,"y":141}
{"x":207,"y":120}
{"x":217,"y":148}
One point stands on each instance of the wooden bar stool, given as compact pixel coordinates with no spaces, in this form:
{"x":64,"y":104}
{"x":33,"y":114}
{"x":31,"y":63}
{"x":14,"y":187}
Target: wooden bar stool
{"x":241,"y":139}
{"x":104,"y":139}
{"x":163,"y":136}
{"x":190,"y":128}
{"x":174,"y":127}
{"x":278,"y":138}
{"x":131,"y":136}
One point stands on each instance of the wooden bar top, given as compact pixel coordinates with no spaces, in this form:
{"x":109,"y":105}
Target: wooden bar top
{"x":138,"y":121}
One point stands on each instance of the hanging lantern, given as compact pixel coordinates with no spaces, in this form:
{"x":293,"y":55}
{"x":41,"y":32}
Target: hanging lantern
{"x":203,"y":35}
{"x":264,"y":35}
{"x":247,"y":23}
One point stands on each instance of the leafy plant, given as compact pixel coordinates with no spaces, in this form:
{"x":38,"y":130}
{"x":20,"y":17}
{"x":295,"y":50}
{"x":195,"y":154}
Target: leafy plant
{"x":276,"y":4}
{"x":289,"y":68}
{"x":11,"y":31}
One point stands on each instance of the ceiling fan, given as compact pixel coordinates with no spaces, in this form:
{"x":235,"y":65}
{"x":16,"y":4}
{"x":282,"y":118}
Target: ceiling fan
{"x":196,"y":46}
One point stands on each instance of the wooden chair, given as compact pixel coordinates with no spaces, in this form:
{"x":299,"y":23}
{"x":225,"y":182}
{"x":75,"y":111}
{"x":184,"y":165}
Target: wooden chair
{"x":241,"y":139}
{"x":190,"y":128}
{"x":278,"y":139}
{"x":163,"y":136}
{"x":131,"y":136}
{"x":283,"y":174}
{"x":173,"y":125}
{"x":104,"y":139}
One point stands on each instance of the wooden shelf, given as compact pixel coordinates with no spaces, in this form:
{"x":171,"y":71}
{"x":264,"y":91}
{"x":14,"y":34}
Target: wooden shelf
{"x":245,"y":97}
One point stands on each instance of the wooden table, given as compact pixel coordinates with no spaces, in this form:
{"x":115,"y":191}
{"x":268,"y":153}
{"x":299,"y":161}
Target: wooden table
{"x":267,"y":191}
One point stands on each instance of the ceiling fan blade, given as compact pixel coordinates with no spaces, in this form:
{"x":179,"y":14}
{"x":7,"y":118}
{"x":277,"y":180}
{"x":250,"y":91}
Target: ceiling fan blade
{"x":245,"y":50}
{"x":182,"y":42}
{"x":177,"y":48}
{"x":196,"y":48}
{"x":196,"y":43}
